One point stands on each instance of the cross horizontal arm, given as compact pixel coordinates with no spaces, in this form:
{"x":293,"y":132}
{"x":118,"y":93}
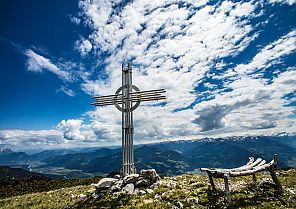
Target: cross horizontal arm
{"x":139,"y":96}
{"x":148,"y":91}
{"x":119,"y":101}
{"x":134,"y":96}
{"x":138,"y":92}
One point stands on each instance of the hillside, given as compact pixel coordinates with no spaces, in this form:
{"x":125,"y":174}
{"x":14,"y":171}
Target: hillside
{"x":17,"y":173}
{"x":185,"y":191}
{"x":168,"y":158}
{"x":174,"y":158}
{"x":17,"y":181}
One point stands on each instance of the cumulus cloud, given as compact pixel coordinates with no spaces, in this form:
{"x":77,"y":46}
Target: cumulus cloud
{"x":176,"y":47}
{"x":83,"y":46}
{"x":270,"y":54}
{"x":187,"y":48}
{"x":173,"y":47}
{"x":211,"y":117}
{"x":16,"y":139}
{"x":148,"y":123}
{"x":251,"y":105}
{"x":30,"y":139}
{"x":255,"y":101}
{"x":71,"y":129}
{"x":3,"y":137}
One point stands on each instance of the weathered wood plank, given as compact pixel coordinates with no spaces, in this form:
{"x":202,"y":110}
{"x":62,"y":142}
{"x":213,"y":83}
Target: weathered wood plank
{"x":260,"y":165}
{"x":212,"y":182}
{"x":248,"y":166}
{"x":254,"y":178}
{"x":273,"y":176}
{"x":227,"y":189}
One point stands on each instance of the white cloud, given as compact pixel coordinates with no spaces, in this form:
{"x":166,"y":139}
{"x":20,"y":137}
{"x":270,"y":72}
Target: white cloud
{"x":181,"y":47}
{"x":66,"y":70}
{"x":3,"y":136}
{"x":83,"y":46}
{"x":75,"y":20}
{"x":38,"y":140}
{"x":252,"y":105}
{"x":154,"y":123}
{"x":172,"y":47}
{"x":28,"y":139}
{"x":175,"y":48}
{"x":270,"y":54}
{"x":71,"y":129}
{"x":38,"y":63}
{"x":242,"y":10}
{"x":67,"y":91}
{"x":190,"y":43}
{"x":256,"y":104}
{"x":290,"y":2}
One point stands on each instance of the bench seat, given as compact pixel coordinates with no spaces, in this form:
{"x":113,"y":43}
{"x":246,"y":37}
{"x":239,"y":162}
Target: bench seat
{"x":251,"y":168}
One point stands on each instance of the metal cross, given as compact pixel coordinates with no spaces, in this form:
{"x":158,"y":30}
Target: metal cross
{"x":126,"y":101}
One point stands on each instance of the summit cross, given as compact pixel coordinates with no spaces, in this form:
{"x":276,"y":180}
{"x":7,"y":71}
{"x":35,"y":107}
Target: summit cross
{"x":126,"y":99}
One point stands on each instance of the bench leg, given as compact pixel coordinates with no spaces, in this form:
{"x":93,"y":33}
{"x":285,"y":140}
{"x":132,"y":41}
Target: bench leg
{"x":254,"y":178}
{"x":212,"y":182}
{"x":227,"y":189}
{"x":275,"y":180}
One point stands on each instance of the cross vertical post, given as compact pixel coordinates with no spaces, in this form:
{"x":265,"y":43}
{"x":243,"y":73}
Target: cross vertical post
{"x":126,"y":102}
{"x":127,"y":123}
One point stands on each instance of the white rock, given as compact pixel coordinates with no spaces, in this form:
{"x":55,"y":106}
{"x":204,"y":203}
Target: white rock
{"x":105,"y":183}
{"x":117,"y":176}
{"x":133,"y":178}
{"x":154,"y":186}
{"x":291,"y":191}
{"x":143,"y":182}
{"x":142,"y":192}
{"x":292,"y":199}
{"x":94,"y":195}
{"x":180,"y":205}
{"x":129,"y":188}
{"x":82,"y":196}
{"x":157,"y":197}
{"x":149,"y":191}
{"x":116,"y":186}
{"x":150,"y":174}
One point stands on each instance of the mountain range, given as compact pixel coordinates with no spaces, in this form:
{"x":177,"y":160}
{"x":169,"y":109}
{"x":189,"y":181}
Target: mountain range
{"x":168,"y":158}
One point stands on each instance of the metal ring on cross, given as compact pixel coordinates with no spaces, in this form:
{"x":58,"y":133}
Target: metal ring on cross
{"x":133,"y":107}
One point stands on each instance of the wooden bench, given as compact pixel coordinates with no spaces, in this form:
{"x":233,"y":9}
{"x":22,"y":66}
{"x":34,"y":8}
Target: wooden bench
{"x":251,"y":168}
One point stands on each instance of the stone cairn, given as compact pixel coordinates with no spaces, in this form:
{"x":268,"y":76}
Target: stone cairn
{"x":129,"y":184}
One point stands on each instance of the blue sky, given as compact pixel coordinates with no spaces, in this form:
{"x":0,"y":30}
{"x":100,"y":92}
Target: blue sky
{"x":30,"y":100}
{"x":228,"y":67}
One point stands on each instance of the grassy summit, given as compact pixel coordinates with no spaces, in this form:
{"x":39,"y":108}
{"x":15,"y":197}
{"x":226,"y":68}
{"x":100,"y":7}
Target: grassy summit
{"x":187,"y":191}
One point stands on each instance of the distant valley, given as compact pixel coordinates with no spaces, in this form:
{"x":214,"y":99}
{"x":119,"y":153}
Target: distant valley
{"x":168,"y":158}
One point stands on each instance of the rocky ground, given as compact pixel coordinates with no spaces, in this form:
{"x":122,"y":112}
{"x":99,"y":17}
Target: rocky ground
{"x":186,"y":191}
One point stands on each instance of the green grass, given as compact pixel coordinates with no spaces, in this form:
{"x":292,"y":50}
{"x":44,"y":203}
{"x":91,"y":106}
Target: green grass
{"x":244,"y":193}
{"x":21,"y":187}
